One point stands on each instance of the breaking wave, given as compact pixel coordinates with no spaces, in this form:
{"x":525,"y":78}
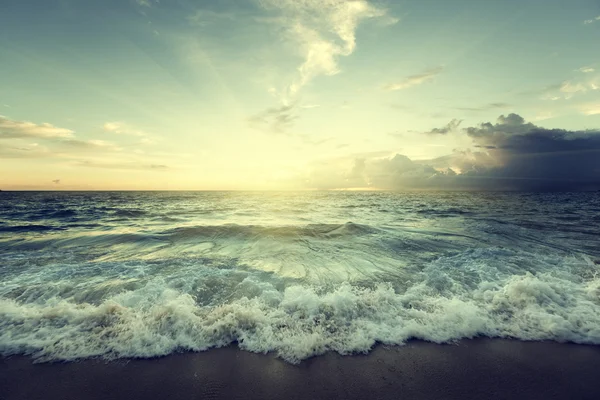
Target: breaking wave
{"x":491,"y":292}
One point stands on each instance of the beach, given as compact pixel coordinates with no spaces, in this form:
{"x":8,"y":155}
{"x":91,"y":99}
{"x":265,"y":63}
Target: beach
{"x":470,"y":369}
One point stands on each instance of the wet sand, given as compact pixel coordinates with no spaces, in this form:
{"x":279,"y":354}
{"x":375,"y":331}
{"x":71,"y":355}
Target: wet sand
{"x":471,"y":369}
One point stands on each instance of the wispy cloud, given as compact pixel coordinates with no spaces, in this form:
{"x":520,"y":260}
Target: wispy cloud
{"x":310,"y":140}
{"x":203,"y":17}
{"x":91,"y":144}
{"x":486,"y":107}
{"x":591,"y":109}
{"x":10,"y":128}
{"x":60,"y":145}
{"x":274,"y":120}
{"x":146,"y":3}
{"x":415,"y":80}
{"x":32,"y":150}
{"x":325,"y":30}
{"x":122,"y":165}
{"x":123,"y":129}
{"x":571,"y":88}
{"x":586,"y":70}
{"x":591,"y":21}
{"x":449,"y":127}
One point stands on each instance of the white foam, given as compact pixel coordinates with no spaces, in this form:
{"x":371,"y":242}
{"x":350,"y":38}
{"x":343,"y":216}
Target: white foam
{"x":491,"y":292}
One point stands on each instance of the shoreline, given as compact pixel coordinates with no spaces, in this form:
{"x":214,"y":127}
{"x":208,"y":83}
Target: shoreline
{"x":470,"y":369}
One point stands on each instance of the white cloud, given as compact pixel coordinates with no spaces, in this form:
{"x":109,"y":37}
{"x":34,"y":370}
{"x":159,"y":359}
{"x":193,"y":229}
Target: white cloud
{"x":123,"y":129}
{"x":591,"y":109}
{"x":145,"y":3}
{"x":10,"y":128}
{"x":591,"y":21}
{"x":92,"y":144}
{"x":586,"y":70}
{"x":325,"y":30}
{"x":571,"y":88}
{"x":415,"y":80}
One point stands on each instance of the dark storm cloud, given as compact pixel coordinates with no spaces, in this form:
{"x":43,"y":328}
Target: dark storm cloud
{"x":512,"y":154}
{"x":534,"y":157}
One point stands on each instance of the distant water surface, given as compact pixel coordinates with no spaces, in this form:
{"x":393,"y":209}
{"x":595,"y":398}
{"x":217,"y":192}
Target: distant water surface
{"x":141,"y":274}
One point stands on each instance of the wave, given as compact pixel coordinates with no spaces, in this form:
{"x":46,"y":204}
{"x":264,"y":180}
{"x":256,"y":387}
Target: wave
{"x":309,"y":230}
{"x":486,"y":292}
{"x":128,"y":213}
{"x":30,"y":228}
{"x":201,"y":232}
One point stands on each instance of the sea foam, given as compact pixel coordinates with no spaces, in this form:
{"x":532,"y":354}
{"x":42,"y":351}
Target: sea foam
{"x":494,"y":292}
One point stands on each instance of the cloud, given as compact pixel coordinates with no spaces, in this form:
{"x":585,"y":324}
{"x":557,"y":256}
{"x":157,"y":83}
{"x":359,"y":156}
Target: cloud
{"x":539,"y":158}
{"x":396,"y":172}
{"x":56,"y":181}
{"x":274,"y":120}
{"x":32,"y":150}
{"x":310,"y":140}
{"x":449,"y":127}
{"x":133,"y":165}
{"x":90,"y":144}
{"x":123,"y":129}
{"x":510,"y":154}
{"x":571,"y":88}
{"x":414,"y":80}
{"x":586,"y":70}
{"x":10,"y":128}
{"x":486,"y":107}
{"x":325,"y":30}
{"x":203,"y":17}
{"x":591,"y":109}
{"x":591,"y":21}
{"x":146,"y":3}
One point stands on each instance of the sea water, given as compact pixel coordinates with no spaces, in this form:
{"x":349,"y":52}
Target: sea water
{"x":144,"y":274}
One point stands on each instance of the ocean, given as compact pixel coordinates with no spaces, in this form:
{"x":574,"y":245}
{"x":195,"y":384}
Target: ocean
{"x":145,"y":274}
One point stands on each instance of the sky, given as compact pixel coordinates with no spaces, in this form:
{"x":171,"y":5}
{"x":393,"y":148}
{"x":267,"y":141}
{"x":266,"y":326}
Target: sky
{"x":299,"y":94}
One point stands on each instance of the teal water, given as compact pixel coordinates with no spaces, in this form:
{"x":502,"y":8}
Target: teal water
{"x":142,"y":274}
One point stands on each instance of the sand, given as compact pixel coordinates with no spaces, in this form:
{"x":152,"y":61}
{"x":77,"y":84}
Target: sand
{"x":471,"y":369}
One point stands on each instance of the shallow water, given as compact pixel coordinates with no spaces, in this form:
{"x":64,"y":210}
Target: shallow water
{"x":140,"y":274}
